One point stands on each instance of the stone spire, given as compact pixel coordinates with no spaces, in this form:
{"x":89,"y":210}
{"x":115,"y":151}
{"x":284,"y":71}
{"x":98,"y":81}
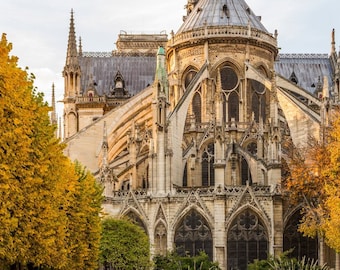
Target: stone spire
{"x":80,"y":48}
{"x":72,"y":54}
{"x":54,"y":113}
{"x":333,"y":50}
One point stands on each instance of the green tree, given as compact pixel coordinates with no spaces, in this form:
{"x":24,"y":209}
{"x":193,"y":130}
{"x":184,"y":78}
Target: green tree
{"x":43,"y":195}
{"x":172,"y":261}
{"x":284,"y":262}
{"x":124,"y":245}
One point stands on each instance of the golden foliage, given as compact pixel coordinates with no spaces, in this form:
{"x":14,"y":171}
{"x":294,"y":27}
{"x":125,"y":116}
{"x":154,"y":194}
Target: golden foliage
{"x":314,"y":182}
{"x":46,"y":201}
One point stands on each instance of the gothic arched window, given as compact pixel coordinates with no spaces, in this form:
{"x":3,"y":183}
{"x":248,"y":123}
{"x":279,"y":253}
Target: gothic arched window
{"x":295,"y":241}
{"x":224,"y":107}
{"x":185,"y":176}
{"x":161,"y":239}
{"x":197,"y":107}
{"x":258,"y":100}
{"x":233,"y":106}
{"x":263,"y":107}
{"x":229,"y":78}
{"x":133,"y":217}
{"x":189,"y":77}
{"x":247,"y":240}
{"x":208,"y":173}
{"x":252,"y":148}
{"x":193,"y":235}
{"x":245,"y":172}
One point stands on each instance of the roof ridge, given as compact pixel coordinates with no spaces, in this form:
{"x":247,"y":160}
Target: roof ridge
{"x":304,"y":55}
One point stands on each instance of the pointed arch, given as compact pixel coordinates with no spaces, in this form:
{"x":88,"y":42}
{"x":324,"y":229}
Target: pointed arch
{"x":247,"y":239}
{"x":207,"y":165}
{"x":132,"y":215}
{"x":245,"y":172}
{"x":160,"y":238}
{"x":258,"y":104}
{"x":189,"y":73}
{"x":185,"y":175}
{"x":293,"y":239}
{"x":72,"y":121}
{"x":233,"y":106}
{"x":193,"y":234}
{"x":197,"y":107}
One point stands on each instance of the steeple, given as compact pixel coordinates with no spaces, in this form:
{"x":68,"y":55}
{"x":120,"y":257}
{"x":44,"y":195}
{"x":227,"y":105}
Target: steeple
{"x":333,"y":50}
{"x":80,"y":49}
{"x":54,"y":113}
{"x":72,"y":55}
{"x":71,"y":74}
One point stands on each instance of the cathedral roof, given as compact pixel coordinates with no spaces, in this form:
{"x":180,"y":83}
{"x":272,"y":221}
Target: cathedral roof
{"x":308,"y":70}
{"x":221,"y":13}
{"x":138,"y":71}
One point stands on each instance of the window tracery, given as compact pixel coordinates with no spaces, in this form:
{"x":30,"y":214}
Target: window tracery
{"x":161,"y":239}
{"x":229,"y":78}
{"x":188,"y":77}
{"x":208,"y":173}
{"x":197,"y":107}
{"x":300,"y":245}
{"x":193,"y":235}
{"x":247,"y":240}
{"x":233,"y":106}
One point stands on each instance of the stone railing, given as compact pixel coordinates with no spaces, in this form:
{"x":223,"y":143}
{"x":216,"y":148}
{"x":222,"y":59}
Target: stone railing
{"x":178,"y":192}
{"x":201,"y":127}
{"x":223,"y":31}
{"x":90,"y":99}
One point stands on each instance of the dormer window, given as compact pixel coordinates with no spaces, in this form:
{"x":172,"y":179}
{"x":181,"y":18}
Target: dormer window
{"x":293,"y":78}
{"x":119,"y":84}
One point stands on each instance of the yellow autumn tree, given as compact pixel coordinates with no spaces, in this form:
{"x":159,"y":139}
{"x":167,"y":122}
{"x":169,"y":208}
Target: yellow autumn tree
{"x":313,"y":181}
{"x":331,"y":224}
{"x":84,"y":222}
{"x":41,"y":190}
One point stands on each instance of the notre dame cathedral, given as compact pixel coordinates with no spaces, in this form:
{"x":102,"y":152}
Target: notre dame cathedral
{"x":187,"y":132}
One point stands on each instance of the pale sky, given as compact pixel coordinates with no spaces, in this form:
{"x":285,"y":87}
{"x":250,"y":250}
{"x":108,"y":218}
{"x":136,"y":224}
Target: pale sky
{"x":39,"y":29}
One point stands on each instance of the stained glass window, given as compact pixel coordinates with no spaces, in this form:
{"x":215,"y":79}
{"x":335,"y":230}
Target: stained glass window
{"x":247,"y":240}
{"x":193,"y":235}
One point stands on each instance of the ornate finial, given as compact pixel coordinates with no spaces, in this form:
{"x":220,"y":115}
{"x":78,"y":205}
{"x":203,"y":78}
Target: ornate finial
{"x":333,"y":42}
{"x":105,"y":146}
{"x":72,"y":54}
{"x":80,"y":48}
{"x":54,"y":114}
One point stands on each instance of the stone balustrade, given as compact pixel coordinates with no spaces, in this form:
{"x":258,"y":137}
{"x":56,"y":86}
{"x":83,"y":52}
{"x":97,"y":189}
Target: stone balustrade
{"x":222,"y":32}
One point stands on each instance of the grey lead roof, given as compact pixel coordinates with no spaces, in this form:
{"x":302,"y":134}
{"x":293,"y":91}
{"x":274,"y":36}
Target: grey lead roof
{"x":221,"y":13}
{"x":309,"y":69}
{"x":137,"y":70}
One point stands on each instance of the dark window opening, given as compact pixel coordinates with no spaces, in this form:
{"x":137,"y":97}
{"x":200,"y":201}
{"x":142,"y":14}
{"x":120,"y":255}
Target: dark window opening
{"x":247,"y":240}
{"x":245,"y":172}
{"x":197,"y":107}
{"x":233,"y":106}
{"x":229,"y":79}
{"x":300,"y":245}
{"x":193,"y":235}
{"x":185,"y":176}
{"x":208,"y":172}
{"x":189,"y":77}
